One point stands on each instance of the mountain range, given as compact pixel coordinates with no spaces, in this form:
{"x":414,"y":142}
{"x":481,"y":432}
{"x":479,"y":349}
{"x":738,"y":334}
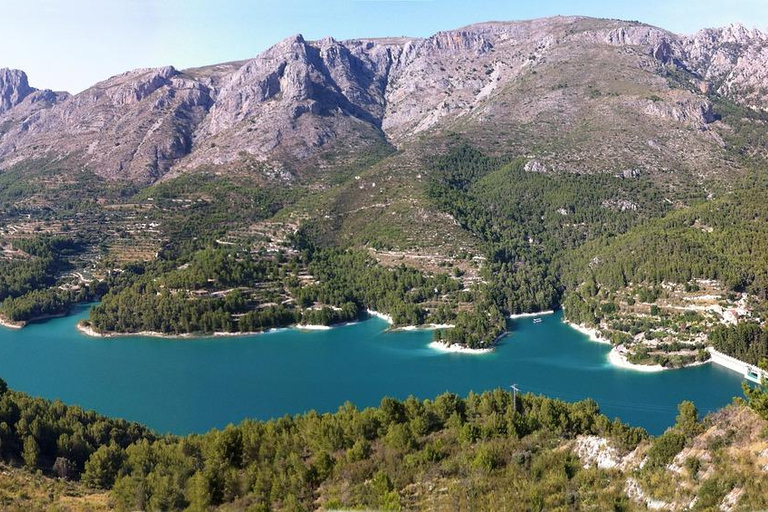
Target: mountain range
{"x":570,"y":94}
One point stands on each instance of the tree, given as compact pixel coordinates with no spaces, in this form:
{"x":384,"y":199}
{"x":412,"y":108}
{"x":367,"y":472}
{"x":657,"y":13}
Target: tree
{"x":687,"y":420}
{"x":31,"y":452}
{"x":63,"y":467}
{"x":103,"y":466}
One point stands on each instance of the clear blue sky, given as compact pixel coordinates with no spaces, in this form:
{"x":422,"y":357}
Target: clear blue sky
{"x":69,"y":45}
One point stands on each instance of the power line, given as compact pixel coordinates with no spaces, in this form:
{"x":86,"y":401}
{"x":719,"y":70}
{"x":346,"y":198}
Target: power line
{"x":514,"y":396}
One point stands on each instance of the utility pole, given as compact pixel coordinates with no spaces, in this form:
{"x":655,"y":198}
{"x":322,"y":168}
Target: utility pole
{"x":514,"y":395}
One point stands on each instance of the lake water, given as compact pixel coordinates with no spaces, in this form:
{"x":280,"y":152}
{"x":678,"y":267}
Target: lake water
{"x":192,"y":385}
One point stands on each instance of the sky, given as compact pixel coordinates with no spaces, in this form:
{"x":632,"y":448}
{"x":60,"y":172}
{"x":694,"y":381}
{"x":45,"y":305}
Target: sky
{"x":70,"y":45}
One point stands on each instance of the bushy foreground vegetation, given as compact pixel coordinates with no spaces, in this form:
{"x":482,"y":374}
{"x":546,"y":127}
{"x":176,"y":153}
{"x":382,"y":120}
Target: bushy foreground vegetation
{"x":352,"y":458}
{"x":482,"y":452}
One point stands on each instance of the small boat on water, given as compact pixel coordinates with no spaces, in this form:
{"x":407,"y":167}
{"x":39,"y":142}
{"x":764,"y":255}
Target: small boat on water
{"x":537,"y":320}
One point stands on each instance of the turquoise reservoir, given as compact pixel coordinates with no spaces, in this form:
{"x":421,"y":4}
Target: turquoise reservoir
{"x":192,"y":385}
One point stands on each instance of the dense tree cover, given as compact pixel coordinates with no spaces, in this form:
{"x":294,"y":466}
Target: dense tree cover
{"x":725,"y":239}
{"x":160,"y":296}
{"x":25,"y":282}
{"x":527,"y":219}
{"x":479,"y":328}
{"x":745,"y":341}
{"x":329,"y":316}
{"x":38,"y":432}
{"x":47,"y":257}
{"x":143,"y":308}
{"x":353,"y":458}
{"x":348,"y":276}
{"x":518,"y":271}
{"x":40,"y":303}
{"x":190,"y":294}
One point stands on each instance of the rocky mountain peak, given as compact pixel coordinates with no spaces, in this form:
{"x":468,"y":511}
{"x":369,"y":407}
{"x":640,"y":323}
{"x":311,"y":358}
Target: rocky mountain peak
{"x":133,"y":86}
{"x":739,"y":34}
{"x":14,"y":87}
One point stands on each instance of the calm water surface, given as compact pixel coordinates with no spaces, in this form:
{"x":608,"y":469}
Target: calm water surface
{"x":184,"y":386}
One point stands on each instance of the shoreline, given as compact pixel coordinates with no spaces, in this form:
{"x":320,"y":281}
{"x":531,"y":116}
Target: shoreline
{"x":618,"y":359}
{"x":425,"y":327}
{"x":590,"y":332}
{"x":441,"y":346}
{"x":615,"y":356}
{"x":528,"y":315}
{"x":10,"y":324}
{"x":383,"y":316}
{"x":313,"y":327}
{"x":457,"y":349}
{"x":435,"y":345}
{"x":90,"y":331}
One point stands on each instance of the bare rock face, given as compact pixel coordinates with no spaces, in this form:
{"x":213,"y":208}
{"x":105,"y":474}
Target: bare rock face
{"x":599,"y":83}
{"x":14,"y":87}
{"x":294,"y":98}
{"x":19,"y":102}
{"x":682,"y":108}
{"x":135,"y":125}
{"x":734,"y":60}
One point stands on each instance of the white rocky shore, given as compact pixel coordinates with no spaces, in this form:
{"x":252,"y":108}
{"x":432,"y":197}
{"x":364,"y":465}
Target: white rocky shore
{"x":10,"y":324}
{"x":590,"y":332}
{"x":310,"y":327}
{"x":457,"y":349}
{"x":426,"y":327}
{"x":528,"y":315}
{"x":90,"y":331}
{"x":618,"y":355}
{"x":383,"y":316}
{"x":436,"y":345}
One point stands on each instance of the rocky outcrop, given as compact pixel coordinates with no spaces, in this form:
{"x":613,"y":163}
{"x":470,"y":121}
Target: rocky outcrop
{"x":733,"y":61}
{"x":14,"y":87}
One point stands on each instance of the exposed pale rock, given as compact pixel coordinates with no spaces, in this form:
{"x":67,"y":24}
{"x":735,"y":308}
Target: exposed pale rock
{"x":596,"y":451}
{"x":535,"y":166}
{"x":14,"y":87}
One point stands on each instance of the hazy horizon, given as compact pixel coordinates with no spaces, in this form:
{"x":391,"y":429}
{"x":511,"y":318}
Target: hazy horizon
{"x":74,"y":46}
